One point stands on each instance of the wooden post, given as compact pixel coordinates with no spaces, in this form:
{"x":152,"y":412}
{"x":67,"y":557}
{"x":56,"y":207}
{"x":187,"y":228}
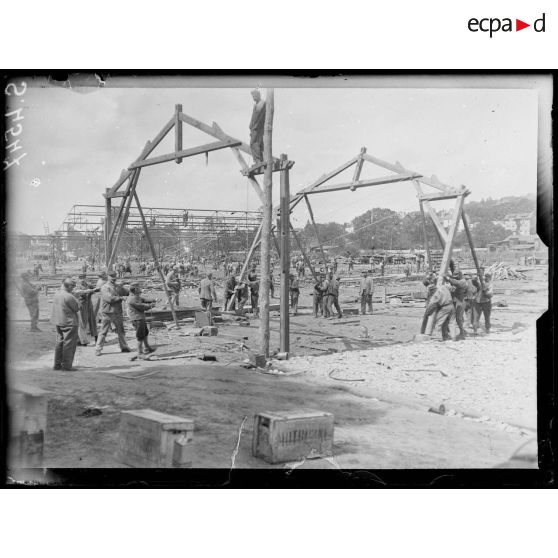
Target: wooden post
{"x":177,"y":131}
{"x":451,"y":236}
{"x":358,"y":167}
{"x":266,"y":225}
{"x":425,"y":233}
{"x":124,"y":219}
{"x":108,"y":227}
{"x":285,"y":256}
{"x":316,"y":230}
{"x":472,"y":246}
{"x":155,"y":259}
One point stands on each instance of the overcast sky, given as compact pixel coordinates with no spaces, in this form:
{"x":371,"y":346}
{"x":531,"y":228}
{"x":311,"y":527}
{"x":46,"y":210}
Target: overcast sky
{"x":77,"y":142}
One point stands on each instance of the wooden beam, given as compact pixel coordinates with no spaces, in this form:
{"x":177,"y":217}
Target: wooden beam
{"x":399,"y":168}
{"x":361,"y":184}
{"x":285,"y":259}
{"x":315,"y":230}
{"x":451,"y":237}
{"x":441,"y":232}
{"x":266,"y":226}
{"x":447,"y":196}
{"x":155,"y":259}
{"x":150,"y":146}
{"x":472,"y":246}
{"x":328,"y":176}
{"x":178,"y":132}
{"x":184,"y":153}
{"x":425,"y":233}
{"x":358,"y":166}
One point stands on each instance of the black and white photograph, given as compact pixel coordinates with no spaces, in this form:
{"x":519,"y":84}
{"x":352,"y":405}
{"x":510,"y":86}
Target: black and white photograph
{"x":266,"y":272}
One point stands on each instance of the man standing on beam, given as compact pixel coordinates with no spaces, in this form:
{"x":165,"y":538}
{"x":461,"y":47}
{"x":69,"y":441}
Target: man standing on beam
{"x":257,"y":127}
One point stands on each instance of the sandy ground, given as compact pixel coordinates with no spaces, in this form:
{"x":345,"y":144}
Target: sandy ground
{"x":379,"y":389}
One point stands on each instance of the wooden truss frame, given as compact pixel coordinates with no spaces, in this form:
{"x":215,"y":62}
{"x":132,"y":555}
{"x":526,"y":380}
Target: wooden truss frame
{"x":126,"y":186}
{"x":401,"y":174}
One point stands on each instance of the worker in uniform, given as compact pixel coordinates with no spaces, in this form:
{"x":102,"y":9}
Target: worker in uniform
{"x":351,"y":263}
{"x":469,"y":300}
{"x":241,"y":294}
{"x":30,"y":295}
{"x":83,"y":292}
{"x":458,"y":295}
{"x":172,"y":282}
{"x":366,"y":291}
{"x":430,"y":283}
{"x":254,"y":285}
{"x":112,"y":295}
{"x":137,"y":305}
{"x":333,"y":296}
{"x":96,"y":297}
{"x":294,"y":291}
{"x":320,"y":288}
{"x":257,"y":123}
{"x":230,"y":291}
{"x":65,"y":310}
{"x":442,"y":303}
{"x":483,"y":302}
{"x":207,"y":292}
{"x":36,"y":268}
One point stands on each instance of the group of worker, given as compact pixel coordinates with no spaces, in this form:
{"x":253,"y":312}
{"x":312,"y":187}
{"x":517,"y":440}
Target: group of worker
{"x":459,"y":296}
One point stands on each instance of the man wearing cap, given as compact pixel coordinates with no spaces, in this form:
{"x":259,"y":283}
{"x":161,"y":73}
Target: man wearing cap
{"x":294,"y":290}
{"x":257,"y":123}
{"x":230,"y":291}
{"x":137,"y":305}
{"x":366,"y":291}
{"x":320,"y":288}
{"x":112,"y":296}
{"x":96,"y":298}
{"x":458,"y":295}
{"x":30,"y":295}
{"x":173,"y":285}
{"x":207,"y":292}
{"x":483,"y":302}
{"x":254,"y":285}
{"x":333,"y":296}
{"x":87,"y":320}
{"x":430,"y":283}
{"x":442,"y":303}
{"x":469,"y":298}
{"x":241,"y":289}
{"x":65,"y":310}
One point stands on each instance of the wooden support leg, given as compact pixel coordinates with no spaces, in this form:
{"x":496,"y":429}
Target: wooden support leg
{"x":315,"y":230}
{"x":472,"y":246}
{"x":155,"y":259}
{"x":285,"y":257}
{"x":425,"y":234}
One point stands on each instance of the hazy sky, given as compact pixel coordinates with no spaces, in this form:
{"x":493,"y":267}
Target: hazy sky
{"x":77,"y":142}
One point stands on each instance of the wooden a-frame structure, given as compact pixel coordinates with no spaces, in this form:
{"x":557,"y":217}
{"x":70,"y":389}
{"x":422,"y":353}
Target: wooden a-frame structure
{"x":400,"y":174}
{"x":126,"y":186}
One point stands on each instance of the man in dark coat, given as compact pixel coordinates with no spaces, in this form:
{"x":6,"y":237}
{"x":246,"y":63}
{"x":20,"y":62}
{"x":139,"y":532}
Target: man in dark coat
{"x":30,"y":295}
{"x":257,"y":123}
{"x":137,"y":305}
{"x":65,"y":310}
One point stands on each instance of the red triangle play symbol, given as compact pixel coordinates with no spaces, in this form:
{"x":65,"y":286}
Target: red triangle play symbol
{"x":519,"y":25}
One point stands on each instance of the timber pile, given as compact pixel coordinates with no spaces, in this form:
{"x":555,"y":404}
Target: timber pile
{"x":182,"y":312}
{"x":503,"y":271}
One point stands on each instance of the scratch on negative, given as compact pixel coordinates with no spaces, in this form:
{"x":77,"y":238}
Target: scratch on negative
{"x":235,"y":451}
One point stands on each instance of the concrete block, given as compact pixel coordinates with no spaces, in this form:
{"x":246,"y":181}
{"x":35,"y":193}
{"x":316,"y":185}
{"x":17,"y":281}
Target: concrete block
{"x":258,"y":360}
{"x":209,"y":331}
{"x":292,"y":436}
{"x":149,"y":438}
{"x":203,"y":319}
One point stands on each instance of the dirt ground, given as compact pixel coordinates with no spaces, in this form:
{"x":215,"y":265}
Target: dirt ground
{"x":379,"y":388}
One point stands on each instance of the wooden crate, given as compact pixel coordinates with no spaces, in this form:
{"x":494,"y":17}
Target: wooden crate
{"x":292,"y":436}
{"x":28,"y":423}
{"x":149,"y":438}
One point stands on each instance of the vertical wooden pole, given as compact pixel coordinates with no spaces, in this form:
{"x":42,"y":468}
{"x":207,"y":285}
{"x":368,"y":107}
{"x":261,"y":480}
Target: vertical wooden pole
{"x":108,"y":227}
{"x":155,"y":259}
{"x":266,"y":225}
{"x":124,"y":219}
{"x":316,"y":230}
{"x":425,"y":233}
{"x":472,"y":246}
{"x":285,"y":256}
{"x":360,"y":162}
{"x":177,"y":131}
{"x":451,"y":237}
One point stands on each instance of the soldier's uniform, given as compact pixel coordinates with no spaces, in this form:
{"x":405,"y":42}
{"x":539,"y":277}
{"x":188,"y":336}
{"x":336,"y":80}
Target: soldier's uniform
{"x":30,"y":295}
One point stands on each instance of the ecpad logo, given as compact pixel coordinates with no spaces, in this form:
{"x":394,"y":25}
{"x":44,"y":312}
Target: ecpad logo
{"x":494,"y":24}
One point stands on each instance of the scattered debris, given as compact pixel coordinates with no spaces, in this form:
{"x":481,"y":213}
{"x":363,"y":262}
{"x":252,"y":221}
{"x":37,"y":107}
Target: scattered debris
{"x":90,"y":412}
